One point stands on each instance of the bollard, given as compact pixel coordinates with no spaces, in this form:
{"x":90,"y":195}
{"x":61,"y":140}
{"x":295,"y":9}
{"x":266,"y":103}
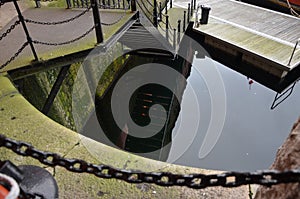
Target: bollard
{"x":204,"y":14}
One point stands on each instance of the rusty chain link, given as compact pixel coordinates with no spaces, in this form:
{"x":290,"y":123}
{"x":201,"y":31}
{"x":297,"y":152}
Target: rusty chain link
{"x":14,"y":56}
{"x":13,"y":26}
{"x":194,"y":181}
{"x":58,"y":22}
{"x":66,"y":42}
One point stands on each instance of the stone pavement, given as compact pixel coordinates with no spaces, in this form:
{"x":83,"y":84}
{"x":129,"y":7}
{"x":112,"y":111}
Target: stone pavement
{"x":56,"y":33}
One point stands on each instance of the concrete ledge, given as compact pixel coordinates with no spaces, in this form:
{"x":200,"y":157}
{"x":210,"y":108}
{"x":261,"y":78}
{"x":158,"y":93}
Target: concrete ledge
{"x":21,"y":121}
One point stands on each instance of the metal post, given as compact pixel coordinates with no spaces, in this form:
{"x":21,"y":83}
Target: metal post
{"x":160,"y":12}
{"x":69,"y":5}
{"x":124,"y":6}
{"x":178,"y":36}
{"x":54,"y":90}
{"x":133,"y":5}
{"x":171,"y":4}
{"x":167,"y":27}
{"x":166,"y":7}
{"x":97,"y":22}
{"x":184,"y":21}
{"x":155,"y":23}
{"x":25,"y":30}
{"x":293,"y":52}
{"x":174,"y":39}
{"x":195,"y":2}
{"x":192,"y":7}
{"x":189,"y":11}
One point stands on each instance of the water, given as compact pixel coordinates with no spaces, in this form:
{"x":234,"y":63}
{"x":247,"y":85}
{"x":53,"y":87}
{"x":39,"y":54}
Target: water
{"x":252,"y":132}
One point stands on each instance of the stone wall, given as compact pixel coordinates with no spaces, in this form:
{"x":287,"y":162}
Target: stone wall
{"x":288,"y":157}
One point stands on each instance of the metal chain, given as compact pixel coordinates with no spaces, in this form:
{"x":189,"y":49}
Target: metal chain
{"x":194,"y":181}
{"x":144,"y":7}
{"x":150,"y":3}
{"x":58,"y":22}
{"x":66,"y":42}
{"x":14,"y":56}
{"x":13,"y":26}
{"x":115,"y":22}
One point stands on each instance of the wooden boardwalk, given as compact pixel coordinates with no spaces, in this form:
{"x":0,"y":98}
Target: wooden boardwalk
{"x":262,"y":38}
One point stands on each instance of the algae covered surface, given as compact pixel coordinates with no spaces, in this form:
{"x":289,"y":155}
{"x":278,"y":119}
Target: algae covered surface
{"x":21,"y":121}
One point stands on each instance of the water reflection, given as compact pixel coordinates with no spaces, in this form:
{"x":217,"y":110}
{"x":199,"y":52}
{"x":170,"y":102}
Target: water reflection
{"x":252,"y":132}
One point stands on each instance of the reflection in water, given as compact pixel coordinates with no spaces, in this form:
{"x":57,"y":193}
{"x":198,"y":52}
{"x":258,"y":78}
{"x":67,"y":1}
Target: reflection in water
{"x":250,"y":135}
{"x":155,"y":89}
{"x":252,"y":132}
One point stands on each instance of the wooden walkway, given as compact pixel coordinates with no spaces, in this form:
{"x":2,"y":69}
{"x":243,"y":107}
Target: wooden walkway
{"x":262,"y":38}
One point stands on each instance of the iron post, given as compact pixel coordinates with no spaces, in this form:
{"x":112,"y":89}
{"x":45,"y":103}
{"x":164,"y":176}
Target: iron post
{"x":25,"y":30}
{"x":192,"y":7}
{"x":189,"y":11}
{"x":155,"y":22}
{"x":184,"y":21}
{"x":160,"y":12}
{"x":133,"y":5}
{"x":171,"y":4}
{"x":97,"y":22}
{"x":167,"y":27}
{"x":178,"y":36}
{"x":195,"y":2}
{"x":166,"y":7}
{"x":174,"y":39}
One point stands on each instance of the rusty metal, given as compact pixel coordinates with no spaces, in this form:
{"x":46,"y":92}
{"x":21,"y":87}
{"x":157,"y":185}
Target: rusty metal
{"x":194,"y":181}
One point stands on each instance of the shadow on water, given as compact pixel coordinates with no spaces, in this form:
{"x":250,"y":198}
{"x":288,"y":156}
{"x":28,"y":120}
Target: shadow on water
{"x":249,"y":137}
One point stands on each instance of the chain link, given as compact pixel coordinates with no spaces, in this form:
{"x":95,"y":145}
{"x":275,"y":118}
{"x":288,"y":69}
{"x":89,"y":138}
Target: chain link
{"x":14,"y":56}
{"x":58,"y":22}
{"x":66,"y":42}
{"x":194,"y":181}
{"x":115,"y":22}
{"x":13,"y":26}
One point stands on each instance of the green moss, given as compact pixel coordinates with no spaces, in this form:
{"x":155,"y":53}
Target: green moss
{"x":58,"y":3}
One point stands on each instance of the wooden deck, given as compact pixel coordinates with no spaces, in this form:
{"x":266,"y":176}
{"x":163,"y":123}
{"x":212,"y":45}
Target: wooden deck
{"x":262,"y":38}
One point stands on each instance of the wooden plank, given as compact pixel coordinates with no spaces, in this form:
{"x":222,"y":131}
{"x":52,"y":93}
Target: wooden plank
{"x":258,"y":19}
{"x":249,"y":41}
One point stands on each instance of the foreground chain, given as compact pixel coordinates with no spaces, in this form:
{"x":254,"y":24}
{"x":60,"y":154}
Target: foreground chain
{"x":195,"y":181}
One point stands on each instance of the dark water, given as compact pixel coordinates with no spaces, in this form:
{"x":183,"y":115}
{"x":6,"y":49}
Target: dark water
{"x":252,"y":132}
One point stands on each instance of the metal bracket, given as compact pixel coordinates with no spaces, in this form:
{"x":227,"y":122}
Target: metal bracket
{"x":283,"y":95}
